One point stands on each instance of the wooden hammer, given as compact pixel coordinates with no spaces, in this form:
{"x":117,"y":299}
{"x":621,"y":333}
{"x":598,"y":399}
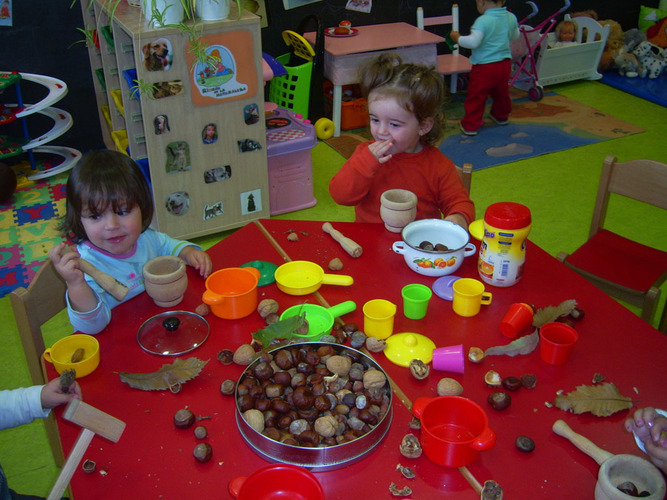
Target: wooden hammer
{"x":351,"y":247}
{"x":93,"y":421}
{"x":108,"y":283}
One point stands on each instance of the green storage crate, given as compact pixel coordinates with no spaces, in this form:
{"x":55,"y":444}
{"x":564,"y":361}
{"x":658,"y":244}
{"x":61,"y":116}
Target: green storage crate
{"x":292,"y":91}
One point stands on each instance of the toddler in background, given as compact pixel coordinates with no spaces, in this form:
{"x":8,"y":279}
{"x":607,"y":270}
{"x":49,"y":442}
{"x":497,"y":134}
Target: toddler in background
{"x":407,"y":122}
{"x":109,"y":210}
{"x":649,"y":427}
{"x":489,"y":41}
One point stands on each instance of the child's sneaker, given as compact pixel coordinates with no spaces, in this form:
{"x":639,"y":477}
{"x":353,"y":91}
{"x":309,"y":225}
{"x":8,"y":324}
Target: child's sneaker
{"x":467,"y":132}
{"x":500,"y":122}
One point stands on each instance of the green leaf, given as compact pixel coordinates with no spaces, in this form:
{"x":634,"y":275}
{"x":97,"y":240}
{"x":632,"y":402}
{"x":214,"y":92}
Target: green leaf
{"x":283,"y":329}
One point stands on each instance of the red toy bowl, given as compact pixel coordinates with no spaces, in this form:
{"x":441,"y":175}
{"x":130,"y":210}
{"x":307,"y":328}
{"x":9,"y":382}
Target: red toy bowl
{"x":277,"y":482}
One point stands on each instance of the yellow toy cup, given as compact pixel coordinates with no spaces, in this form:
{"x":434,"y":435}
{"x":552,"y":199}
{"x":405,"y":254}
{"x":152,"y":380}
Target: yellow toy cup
{"x":60,"y":354}
{"x":379,"y":318}
{"x":469,"y":296}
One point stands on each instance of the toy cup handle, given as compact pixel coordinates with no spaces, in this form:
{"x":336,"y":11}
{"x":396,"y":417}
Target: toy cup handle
{"x":235,"y":485}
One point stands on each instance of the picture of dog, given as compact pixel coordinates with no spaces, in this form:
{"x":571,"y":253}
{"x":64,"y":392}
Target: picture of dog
{"x":251,"y":201}
{"x":249,"y":145}
{"x":157,"y":55}
{"x":217,"y":174}
{"x":178,"y":203}
{"x":214,"y":210}
{"x":178,"y":157}
{"x":167,"y":89}
{"x":161,"y":124}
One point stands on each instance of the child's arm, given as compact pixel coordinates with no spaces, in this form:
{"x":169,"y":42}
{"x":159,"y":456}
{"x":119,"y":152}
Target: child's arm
{"x":650,"y":429}
{"x":198,"y":259}
{"x":82,"y":298}
{"x":354,"y":179}
{"x":52,"y":395}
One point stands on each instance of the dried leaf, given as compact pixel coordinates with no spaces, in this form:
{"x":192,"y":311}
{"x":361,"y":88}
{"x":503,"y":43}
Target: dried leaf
{"x":551,"y":313}
{"x":169,"y":375}
{"x":601,"y":400}
{"x":522,"y":345}
{"x":283,"y":329}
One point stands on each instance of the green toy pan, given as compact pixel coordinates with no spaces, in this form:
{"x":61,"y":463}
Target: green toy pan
{"x":320,"y":319}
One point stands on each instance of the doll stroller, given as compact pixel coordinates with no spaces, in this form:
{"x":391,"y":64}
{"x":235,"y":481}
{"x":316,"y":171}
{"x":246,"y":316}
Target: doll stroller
{"x":526,"y":51}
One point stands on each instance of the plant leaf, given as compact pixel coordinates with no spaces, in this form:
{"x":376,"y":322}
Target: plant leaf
{"x":601,"y":400}
{"x":551,"y":313}
{"x":283,"y":329}
{"x":522,"y":345}
{"x":169,"y":375}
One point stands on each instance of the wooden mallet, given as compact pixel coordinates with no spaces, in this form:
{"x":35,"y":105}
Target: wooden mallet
{"x":93,"y":421}
{"x":351,"y":247}
{"x":108,"y":283}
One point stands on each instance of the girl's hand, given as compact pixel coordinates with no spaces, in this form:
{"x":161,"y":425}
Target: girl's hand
{"x":648,"y":425}
{"x":52,"y":396}
{"x":379,"y":150}
{"x":454,"y":35}
{"x":197,"y":259}
{"x":67,"y":265}
{"x":458,"y":219}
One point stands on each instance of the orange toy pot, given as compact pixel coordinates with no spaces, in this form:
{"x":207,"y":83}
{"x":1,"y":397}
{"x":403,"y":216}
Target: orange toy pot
{"x":232,"y":292}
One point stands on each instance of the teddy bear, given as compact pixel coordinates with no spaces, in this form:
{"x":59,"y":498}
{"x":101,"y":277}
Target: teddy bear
{"x":652,"y":58}
{"x":613,"y":47}
{"x":628,"y":65}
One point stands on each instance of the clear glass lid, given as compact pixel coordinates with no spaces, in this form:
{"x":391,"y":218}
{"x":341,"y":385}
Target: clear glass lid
{"x":173,"y":333}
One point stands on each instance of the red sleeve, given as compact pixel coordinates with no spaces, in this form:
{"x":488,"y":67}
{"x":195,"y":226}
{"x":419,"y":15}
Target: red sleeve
{"x":354,"y":179}
{"x":453,"y":198}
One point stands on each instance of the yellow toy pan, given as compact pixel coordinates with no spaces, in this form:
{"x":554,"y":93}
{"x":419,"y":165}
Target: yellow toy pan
{"x":301,"y":277}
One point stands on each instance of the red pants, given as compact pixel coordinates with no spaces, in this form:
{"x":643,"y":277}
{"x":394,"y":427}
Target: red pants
{"x":487,"y":80}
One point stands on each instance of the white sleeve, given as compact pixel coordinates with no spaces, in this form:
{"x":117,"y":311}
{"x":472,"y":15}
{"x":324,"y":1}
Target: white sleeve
{"x":472,"y":40}
{"x":21,"y":406}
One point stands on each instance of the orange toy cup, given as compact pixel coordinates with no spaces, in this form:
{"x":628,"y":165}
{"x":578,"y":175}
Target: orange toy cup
{"x":232,"y":292}
{"x":518,"y":317}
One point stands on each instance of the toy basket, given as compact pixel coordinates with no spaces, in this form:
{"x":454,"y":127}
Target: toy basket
{"x":292,"y":91}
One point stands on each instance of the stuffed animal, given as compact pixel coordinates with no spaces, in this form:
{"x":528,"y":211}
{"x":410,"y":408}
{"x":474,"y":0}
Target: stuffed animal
{"x":632,"y":38}
{"x":652,"y":57}
{"x":613,"y":47}
{"x":628,"y":65}
{"x":657,"y":34}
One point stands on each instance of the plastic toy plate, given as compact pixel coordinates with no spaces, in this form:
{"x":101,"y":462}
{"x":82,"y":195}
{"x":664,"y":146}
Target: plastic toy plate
{"x":332,"y":32}
{"x":442,"y":287}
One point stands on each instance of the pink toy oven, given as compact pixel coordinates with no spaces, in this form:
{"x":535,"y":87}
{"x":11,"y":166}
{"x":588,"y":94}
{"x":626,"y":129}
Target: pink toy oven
{"x":289,"y":140}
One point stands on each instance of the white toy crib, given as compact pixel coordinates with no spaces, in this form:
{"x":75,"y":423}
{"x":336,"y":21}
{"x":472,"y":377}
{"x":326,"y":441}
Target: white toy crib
{"x":577,"y":61}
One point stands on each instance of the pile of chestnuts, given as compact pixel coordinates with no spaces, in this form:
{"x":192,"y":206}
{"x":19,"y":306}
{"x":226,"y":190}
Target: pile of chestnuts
{"x":313,"y":395}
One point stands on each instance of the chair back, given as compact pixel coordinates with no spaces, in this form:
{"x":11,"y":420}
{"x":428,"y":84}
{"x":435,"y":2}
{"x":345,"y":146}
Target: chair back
{"x":465,"y":172}
{"x":641,"y":180}
{"x":450,"y":20}
{"x":34,"y":306}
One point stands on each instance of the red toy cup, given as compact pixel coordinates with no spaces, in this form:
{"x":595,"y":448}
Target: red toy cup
{"x":518,"y":317}
{"x":556,"y":342}
{"x":453,"y":430}
{"x":449,"y":359}
{"x":275,"y":482}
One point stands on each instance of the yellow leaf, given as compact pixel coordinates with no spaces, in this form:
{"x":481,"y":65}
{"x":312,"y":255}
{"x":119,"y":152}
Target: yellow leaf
{"x":601,"y":400}
{"x":169,"y":375}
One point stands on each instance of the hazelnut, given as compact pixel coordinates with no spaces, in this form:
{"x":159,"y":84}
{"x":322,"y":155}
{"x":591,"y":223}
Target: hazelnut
{"x":272,"y":318}
{"x":492,"y":379}
{"x":227,"y":387}
{"x":201,"y":432}
{"x":449,"y":387}
{"x":254,"y":419}
{"x":336,"y":264}
{"x":184,"y":418}
{"x":244,"y":354}
{"x":475,"y":354}
{"x":203,"y":309}
{"x":499,"y":400}
{"x":203,"y":452}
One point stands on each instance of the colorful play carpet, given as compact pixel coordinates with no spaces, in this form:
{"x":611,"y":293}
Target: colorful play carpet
{"x":554,"y":123}
{"x":28,"y":230}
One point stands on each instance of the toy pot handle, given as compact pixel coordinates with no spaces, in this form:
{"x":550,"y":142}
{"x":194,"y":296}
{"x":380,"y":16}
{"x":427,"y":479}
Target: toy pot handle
{"x":476,"y":229}
{"x":343,"y":308}
{"x":485,"y":441}
{"x":469,"y":249}
{"x":47,"y":355}
{"x":419,"y":405}
{"x":211,"y":298}
{"x":337,"y":279}
{"x":398,"y":247}
{"x":253,"y":270}
{"x":235,"y":485}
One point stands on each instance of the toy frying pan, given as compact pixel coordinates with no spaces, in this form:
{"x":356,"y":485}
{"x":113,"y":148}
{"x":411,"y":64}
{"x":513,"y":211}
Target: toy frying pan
{"x":320,"y":319}
{"x":301,"y":277}
{"x":616,"y":469}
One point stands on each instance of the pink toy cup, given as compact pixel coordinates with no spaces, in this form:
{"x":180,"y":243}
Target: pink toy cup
{"x":519,"y":316}
{"x":556,"y":342}
{"x":449,"y":359}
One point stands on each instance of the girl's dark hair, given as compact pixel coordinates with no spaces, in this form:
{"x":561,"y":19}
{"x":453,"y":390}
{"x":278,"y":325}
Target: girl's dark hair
{"x":101,"y":179}
{"x":417,"y":88}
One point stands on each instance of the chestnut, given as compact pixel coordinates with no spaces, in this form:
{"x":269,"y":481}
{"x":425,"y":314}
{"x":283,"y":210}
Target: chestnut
{"x":263,"y":371}
{"x":283,"y":359}
{"x":184,"y":418}
{"x":246,"y":402}
{"x":280,"y":405}
{"x":499,"y":400}
{"x":282,"y":378}
{"x":309,"y":438}
{"x":262,"y":404}
{"x":303,"y":398}
{"x":274,"y":390}
{"x":511,"y":383}
{"x":298,"y":380}
{"x":272,"y":433}
{"x":203,"y":452}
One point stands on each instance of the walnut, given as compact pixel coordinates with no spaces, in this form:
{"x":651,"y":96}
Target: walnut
{"x":255,"y":419}
{"x":340,"y":365}
{"x":266,"y":307}
{"x":336,"y":264}
{"x":410,"y":446}
{"x":375,"y":344}
{"x":419,"y":369}
{"x":374,"y":378}
{"x":244,"y":354}
{"x":449,"y":387}
{"x":326,"y":426}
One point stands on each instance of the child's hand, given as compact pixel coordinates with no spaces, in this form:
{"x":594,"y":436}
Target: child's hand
{"x":67,"y":264}
{"x":197,"y":259}
{"x":454,"y":35}
{"x":648,"y":425}
{"x":379,"y":150}
{"x":458,"y":219}
{"x":52,"y":396}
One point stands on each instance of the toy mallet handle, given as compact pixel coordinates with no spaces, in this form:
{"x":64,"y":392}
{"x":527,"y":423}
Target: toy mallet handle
{"x":351,"y":247}
{"x":108,"y":283}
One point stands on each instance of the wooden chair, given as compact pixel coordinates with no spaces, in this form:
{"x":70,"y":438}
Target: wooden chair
{"x":452,"y":64}
{"x":466,"y":175}
{"x":34,"y":306}
{"x":619,"y":266}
